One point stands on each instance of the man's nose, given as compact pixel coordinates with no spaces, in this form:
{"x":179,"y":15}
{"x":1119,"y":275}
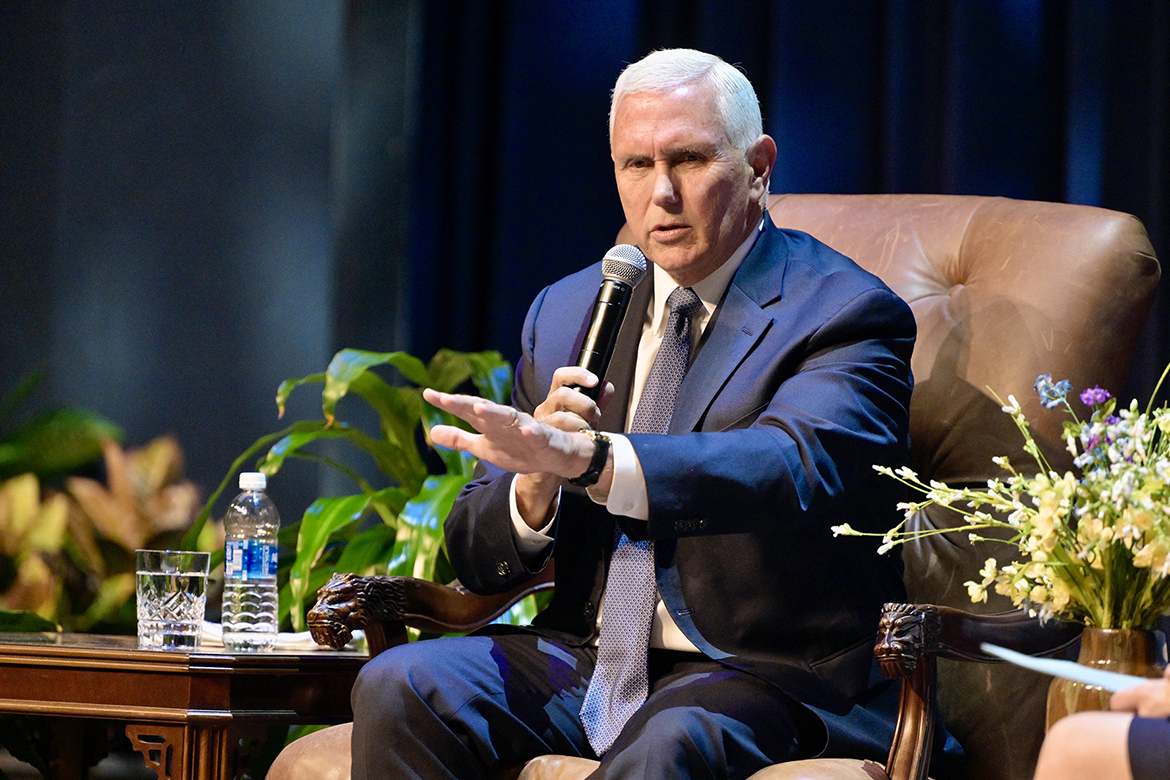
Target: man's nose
{"x":665,"y":187}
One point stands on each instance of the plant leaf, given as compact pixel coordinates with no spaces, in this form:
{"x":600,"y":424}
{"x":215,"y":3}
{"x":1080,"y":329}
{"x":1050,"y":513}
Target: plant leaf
{"x":399,"y":411}
{"x":367,"y":553}
{"x":322,"y":519}
{"x":349,"y":364}
{"x":492,"y":376}
{"x":19,"y":620}
{"x":288,"y":385}
{"x":490,"y":373}
{"x":420,"y":527}
{"x":59,"y":442}
{"x":391,"y":460}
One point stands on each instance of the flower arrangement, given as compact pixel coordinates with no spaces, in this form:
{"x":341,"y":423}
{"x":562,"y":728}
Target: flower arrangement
{"x":1093,"y":548}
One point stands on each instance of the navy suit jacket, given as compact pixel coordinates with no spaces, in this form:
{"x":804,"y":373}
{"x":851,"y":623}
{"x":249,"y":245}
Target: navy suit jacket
{"x":800,"y":384}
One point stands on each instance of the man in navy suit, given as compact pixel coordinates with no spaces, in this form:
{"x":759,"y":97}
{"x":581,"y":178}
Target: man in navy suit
{"x":798,"y":381}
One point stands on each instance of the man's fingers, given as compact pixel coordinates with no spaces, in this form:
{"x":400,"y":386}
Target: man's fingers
{"x":479,"y":412}
{"x":572,"y":376}
{"x":567,"y":421}
{"x":605,"y":397}
{"x":450,"y":437}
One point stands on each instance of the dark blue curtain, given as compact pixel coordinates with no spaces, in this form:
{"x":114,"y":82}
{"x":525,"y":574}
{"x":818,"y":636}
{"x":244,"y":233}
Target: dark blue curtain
{"x":198,"y":201}
{"x":1063,"y":101}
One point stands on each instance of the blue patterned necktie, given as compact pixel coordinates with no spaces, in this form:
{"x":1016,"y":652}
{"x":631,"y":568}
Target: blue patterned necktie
{"x":620,"y":681}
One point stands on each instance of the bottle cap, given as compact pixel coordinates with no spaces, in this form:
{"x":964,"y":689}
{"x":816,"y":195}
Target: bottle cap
{"x":253,"y":480}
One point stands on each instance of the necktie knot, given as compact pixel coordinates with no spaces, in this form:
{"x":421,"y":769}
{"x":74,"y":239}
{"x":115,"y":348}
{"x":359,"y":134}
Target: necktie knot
{"x":683,"y":302}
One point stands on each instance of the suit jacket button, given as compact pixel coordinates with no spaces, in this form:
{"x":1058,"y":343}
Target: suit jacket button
{"x":503,"y":569}
{"x":702,"y":522}
{"x":589,"y":609}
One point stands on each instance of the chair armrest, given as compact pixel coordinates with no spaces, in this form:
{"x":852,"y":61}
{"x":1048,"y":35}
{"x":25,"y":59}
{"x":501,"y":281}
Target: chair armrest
{"x":383,"y":607}
{"x":912,"y":636}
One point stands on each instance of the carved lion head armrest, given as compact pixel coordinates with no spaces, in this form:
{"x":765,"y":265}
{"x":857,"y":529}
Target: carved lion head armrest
{"x":348,"y":603}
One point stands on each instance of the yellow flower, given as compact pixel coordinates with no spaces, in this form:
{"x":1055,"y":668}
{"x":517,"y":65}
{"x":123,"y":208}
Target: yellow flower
{"x":1137,"y":517}
{"x":1152,"y":556}
{"x":1060,"y":594}
{"x":989,"y":570}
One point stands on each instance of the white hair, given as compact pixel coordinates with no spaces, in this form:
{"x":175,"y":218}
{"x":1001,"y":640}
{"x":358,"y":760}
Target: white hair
{"x":666,"y":69}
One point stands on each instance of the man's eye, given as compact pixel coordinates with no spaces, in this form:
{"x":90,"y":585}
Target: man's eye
{"x":640,"y":164}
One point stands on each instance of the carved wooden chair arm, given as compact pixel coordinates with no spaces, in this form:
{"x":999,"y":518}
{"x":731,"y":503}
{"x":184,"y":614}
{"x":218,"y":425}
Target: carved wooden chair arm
{"x":383,"y":607}
{"x":912,"y":636}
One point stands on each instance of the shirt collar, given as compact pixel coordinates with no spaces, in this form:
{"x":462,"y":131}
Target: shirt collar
{"x":710,"y":289}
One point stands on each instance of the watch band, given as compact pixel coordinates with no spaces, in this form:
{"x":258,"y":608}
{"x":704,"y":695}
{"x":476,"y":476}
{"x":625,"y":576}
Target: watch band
{"x":597,"y":464}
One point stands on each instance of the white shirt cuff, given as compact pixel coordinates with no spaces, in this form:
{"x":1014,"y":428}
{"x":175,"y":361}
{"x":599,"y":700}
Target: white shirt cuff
{"x":528,"y":540}
{"x":627,"y":494}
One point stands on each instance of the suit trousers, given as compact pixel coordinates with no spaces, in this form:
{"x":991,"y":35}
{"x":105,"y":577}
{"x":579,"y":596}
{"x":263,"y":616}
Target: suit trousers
{"x":464,"y":708}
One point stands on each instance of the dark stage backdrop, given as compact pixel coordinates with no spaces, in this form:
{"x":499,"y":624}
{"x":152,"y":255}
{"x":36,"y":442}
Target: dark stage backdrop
{"x":1062,"y":101}
{"x":200,"y":200}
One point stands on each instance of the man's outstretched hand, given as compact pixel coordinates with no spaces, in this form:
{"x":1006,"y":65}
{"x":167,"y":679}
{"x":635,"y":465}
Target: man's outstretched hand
{"x":546,"y":442}
{"x":510,"y":439}
{"x":544,"y":448}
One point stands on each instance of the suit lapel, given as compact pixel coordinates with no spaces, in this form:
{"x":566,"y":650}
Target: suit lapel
{"x":739,"y":325}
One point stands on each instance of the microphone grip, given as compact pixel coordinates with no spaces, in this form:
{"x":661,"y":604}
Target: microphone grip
{"x":596,"y":350}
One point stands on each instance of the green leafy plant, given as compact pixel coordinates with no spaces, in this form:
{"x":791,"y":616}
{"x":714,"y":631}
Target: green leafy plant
{"x":394,"y":527}
{"x":74,"y":505}
{"x":60,"y":441}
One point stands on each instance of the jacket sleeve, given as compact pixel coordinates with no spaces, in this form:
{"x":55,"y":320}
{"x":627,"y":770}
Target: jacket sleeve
{"x":799,"y":424}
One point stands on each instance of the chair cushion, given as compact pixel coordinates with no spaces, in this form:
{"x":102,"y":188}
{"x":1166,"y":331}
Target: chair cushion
{"x":322,"y":755}
{"x":558,"y":768}
{"x":569,"y":768}
{"x":823,"y":769}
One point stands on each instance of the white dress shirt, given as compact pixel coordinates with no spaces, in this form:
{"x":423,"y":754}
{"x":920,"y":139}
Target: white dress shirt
{"x":627,"y":494}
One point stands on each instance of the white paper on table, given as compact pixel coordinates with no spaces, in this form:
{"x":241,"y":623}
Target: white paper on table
{"x":302,"y":640}
{"x":1110,"y":681}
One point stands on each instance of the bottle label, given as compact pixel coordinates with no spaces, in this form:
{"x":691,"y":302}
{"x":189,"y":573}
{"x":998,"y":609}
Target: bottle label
{"x":249,"y":560}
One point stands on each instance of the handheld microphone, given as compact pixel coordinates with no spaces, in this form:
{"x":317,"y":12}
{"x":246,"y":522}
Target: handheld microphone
{"x":621,"y":269}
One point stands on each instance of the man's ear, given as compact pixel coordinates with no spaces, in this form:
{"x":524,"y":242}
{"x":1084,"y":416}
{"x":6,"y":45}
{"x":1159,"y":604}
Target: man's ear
{"x":761,"y":156}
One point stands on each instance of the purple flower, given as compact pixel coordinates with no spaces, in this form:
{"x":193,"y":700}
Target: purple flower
{"x":1052,"y":394}
{"x":1095,"y":396}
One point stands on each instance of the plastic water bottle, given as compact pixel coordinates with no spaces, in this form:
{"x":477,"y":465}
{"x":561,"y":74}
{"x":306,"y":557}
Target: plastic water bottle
{"x":249,"y":615}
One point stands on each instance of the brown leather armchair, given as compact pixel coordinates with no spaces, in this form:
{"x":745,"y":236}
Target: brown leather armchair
{"x":1002,"y":290}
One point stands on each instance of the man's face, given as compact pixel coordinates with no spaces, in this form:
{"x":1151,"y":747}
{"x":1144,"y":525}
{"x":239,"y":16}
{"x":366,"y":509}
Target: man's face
{"x":690,"y":198}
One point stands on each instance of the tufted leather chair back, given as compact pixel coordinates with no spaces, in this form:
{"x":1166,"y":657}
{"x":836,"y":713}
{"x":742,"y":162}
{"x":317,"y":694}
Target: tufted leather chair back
{"x":1003,"y":291}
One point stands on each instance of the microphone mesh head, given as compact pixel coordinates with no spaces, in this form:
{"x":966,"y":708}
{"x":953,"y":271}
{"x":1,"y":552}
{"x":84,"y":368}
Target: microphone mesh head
{"x":624,"y":263}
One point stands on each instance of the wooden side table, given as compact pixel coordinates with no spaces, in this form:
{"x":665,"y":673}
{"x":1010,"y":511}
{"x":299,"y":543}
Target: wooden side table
{"x":184,"y":711}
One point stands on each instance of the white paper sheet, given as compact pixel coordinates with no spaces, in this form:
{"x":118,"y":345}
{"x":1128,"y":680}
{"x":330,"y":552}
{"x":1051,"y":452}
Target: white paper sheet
{"x":1110,"y":681}
{"x":213,"y":639}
